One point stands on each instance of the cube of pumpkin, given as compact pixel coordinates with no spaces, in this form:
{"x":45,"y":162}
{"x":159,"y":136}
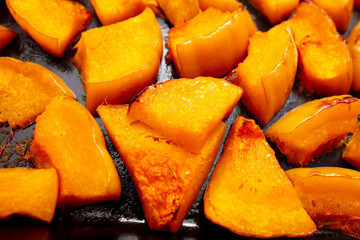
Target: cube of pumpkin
{"x":267,"y":74}
{"x":351,"y":151}
{"x":28,"y":192}
{"x":354,"y":47}
{"x":249,"y":193}
{"x":223,"y":5}
{"x":167,"y":177}
{"x":211,"y":44}
{"x":324,"y":59}
{"x":26,"y":88}
{"x":315,"y":127}
{"x":6,"y":36}
{"x":53,"y":24}
{"x":68,"y":138}
{"x":122,"y":62}
{"x":179,"y":11}
{"x":186,"y":111}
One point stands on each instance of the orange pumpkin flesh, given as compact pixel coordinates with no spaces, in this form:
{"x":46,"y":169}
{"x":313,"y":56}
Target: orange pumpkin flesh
{"x":179,"y":11}
{"x":68,"y":138}
{"x":53,"y":24}
{"x":6,"y":36}
{"x":268,"y":85}
{"x":249,"y":193}
{"x":275,"y":10}
{"x":167,"y":177}
{"x":116,"y":76}
{"x":340,"y":12}
{"x":314,"y":128}
{"x":26,"y":88}
{"x":351,"y":151}
{"x":324,"y":58}
{"x":211,"y":44}
{"x":354,"y":47}
{"x":331,"y":197}
{"x":28,"y":192}
{"x":186,"y":111}
{"x":223,"y":5}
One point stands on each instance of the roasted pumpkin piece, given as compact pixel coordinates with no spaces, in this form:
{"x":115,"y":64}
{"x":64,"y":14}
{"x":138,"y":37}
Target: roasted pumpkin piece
{"x":6,"y":36}
{"x":331,"y":197}
{"x":186,"y":111}
{"x":211,"y":44}
{"x":340,"y":12}
{"x":122,"y":62}
{"x":68,"y":138}
{"x":249,"y":193}
{"x":25,"y":90}
{"x":315,"y":127}
{"x":167,"y":177}
{"x":354,"y":47}
{"x":112,"y":11}
{"x":28,"y":192}
{"x":154,"y":5}
{"x":324,"y":58}
{"x":53,"y":24}
{"x":351,"y":151}
{"x":179,"y":11}
{"x":267,"y":74}
{"x":223,"y":5}
{"x":275,"y":10}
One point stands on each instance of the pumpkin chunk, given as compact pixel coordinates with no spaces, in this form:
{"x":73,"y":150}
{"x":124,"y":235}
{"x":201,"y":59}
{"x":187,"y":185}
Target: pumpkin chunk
{"x":26,"y":88}
{"x":167,"y":177}
{"x":324,"y":58}
{"x":223,"y":5}
{"x":249,"y":193}
{"x":186,"y":111}
{"x":179,"y":11}
{"x":68,"y":138}
{"x":351,"y":151}
{"x":28,"y":192}
{"x":331,"y":197}
{"x":111,"y":11}
{"x":354,"y":47}
{"x":275,"y":10}
{"x":267,"y":75}
{"x":314,"y":128}
{"x":53,"y":24}
{"x":6,"y":36}
{"x":211,"y":44}
{"x":340,"y":12}
{"x":122,"y":62}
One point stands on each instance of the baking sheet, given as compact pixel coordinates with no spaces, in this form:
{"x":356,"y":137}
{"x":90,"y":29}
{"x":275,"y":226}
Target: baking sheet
{"x":124,"y":219}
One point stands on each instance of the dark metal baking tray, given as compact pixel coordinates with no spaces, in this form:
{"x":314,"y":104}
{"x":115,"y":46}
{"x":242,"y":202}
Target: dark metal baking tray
{"x":124,"y":219}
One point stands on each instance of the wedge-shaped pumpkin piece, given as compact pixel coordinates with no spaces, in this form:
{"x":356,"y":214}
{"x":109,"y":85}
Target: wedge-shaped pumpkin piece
{"x":179,"y":11}
{"x":28,"y":192}
{"x":275,"y":10}
{"x":267,"y":75}
{"x":186,"y":111}
{"x":211,"y":44}
{"x":249,"y":193}
{"x":354,"y":47}
{"x":167,"y":177}
{"x":26,"y":88}
{"x":223,"y":5}
{"x":122,"y":62}
{"x":351,"y":151}
{"x":6,"y":36}
{"x":53,"y":24}
{"x":324,"y":58}
{"x":68,"y":138}
{"x":314,"y":128}
{"x":111,"y":11}
{"x":331,"y":197}
{"x":339,"y":11}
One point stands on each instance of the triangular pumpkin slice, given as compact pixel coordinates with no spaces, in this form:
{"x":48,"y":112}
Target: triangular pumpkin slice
{"x":186,"y":110}
{"x":249,"y":193}
{"x":167,"y":177}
